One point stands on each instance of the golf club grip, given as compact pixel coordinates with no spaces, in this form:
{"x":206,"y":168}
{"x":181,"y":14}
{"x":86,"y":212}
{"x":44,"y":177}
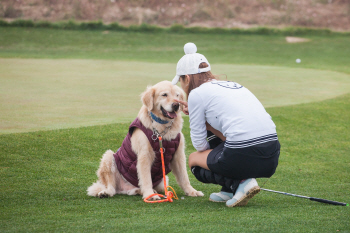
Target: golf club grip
{"x":327,"y":201}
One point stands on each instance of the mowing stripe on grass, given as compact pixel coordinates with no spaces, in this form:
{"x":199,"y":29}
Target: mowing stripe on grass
{"x":42,"y":94}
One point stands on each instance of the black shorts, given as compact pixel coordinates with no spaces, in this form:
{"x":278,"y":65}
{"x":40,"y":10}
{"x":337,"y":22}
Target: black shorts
{"x":243,"y":163}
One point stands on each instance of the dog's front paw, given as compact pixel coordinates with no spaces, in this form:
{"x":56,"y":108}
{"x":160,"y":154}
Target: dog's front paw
{"x":147,"y":194}
{"x":195,"y":193}
{"x":103,"y":194}
{"x":154,"y":198}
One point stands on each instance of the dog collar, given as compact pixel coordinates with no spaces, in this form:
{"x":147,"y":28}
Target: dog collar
{"x":157,"y":119}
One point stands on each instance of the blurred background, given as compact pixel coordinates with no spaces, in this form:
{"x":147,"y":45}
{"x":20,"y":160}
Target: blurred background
{"x":332,"y":14}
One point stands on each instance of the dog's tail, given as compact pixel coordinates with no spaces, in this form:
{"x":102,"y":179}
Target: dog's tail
{"x":95,"y":188}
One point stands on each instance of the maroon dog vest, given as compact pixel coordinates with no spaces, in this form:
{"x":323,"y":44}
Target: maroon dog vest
{"x":126,"y":159}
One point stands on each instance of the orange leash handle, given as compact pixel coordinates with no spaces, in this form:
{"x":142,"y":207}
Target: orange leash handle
{"x":168,"y":194}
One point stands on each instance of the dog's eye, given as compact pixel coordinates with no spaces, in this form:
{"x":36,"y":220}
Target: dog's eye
{"x":165,"y":95}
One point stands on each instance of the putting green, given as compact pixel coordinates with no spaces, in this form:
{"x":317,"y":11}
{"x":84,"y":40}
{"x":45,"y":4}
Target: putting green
{"x":42,"y":94}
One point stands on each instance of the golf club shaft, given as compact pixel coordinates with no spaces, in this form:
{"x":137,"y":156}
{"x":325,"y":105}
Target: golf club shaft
{"x":310,"y":198}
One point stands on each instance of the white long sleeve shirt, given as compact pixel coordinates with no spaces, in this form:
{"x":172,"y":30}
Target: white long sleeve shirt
{"x":231,"y":109}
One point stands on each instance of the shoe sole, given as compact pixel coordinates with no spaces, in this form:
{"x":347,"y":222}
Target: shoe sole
{"x":217,"y":201}
{"x":248,"y":195}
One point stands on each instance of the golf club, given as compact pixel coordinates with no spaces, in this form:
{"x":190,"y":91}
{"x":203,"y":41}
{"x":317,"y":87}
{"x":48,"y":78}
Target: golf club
{"x":310,"y":198}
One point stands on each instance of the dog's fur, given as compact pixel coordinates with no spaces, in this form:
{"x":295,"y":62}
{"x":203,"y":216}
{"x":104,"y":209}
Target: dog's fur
{"x":111,"y":182}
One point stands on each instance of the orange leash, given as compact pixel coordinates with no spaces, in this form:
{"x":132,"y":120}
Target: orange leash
{"x":169,"y":195}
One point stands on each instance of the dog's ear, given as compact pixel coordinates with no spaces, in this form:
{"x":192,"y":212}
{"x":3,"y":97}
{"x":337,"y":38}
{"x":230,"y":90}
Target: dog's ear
{"x":147,"y":97}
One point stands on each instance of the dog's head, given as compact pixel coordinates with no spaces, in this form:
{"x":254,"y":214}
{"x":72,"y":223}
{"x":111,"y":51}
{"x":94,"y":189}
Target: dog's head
{"x":159,"y":99}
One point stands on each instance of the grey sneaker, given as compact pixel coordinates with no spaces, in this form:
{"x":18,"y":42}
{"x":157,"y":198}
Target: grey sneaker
{"x":245,"y":191}
{"x":220,"y":197}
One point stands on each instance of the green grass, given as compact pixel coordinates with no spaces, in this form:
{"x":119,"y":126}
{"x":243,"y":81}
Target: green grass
{"x":325,"y":53}
{"x":64,"y":93}
{"x":53,"y":91}
{"x":45,"y":174}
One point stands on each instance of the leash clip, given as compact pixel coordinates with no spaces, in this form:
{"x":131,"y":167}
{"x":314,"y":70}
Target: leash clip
{"x":154,"y":136}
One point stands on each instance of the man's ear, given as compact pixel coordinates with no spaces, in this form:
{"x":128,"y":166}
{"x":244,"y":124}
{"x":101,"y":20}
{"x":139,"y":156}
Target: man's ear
{"x":147,"y":98}
{"x":187,"y":79}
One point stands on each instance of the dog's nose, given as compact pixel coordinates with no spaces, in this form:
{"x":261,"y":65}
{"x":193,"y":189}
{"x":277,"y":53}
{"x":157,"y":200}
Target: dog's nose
{"x":175,"y":106}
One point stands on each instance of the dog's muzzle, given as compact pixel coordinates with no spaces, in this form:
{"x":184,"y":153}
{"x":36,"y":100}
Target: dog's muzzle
{"x":175,"y":106}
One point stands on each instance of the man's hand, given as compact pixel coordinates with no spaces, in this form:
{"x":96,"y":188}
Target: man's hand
{"x":184,"y":107}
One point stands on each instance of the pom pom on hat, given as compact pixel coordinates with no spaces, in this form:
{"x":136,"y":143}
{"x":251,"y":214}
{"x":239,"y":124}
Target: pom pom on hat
{"x":190,"y":48}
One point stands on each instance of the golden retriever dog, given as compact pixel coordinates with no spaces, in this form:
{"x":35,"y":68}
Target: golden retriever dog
{"x":162,"y":115}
